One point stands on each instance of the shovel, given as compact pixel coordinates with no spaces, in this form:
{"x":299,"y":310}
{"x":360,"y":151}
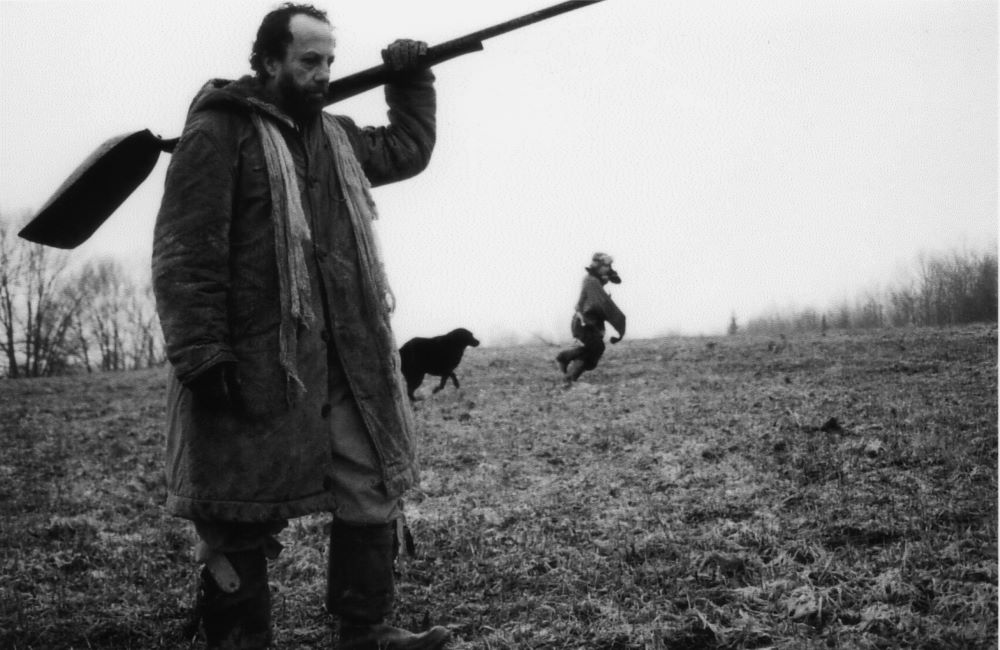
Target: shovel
{"x":110,"y":174}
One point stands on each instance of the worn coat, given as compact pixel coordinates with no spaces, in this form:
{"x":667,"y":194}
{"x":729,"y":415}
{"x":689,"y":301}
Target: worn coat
{"x":216,"y":285}
{"x":593,"y":308}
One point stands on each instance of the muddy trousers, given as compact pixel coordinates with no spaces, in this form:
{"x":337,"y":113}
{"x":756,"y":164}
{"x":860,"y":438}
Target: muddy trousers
{"x":233,"y":607}
{"x":361,"y":578}
{"x":234,"y":604}
{"x":233,"y":592}
{"x":235,"y":615}
{"x":574,"y":361}
{"x":361,"y":590}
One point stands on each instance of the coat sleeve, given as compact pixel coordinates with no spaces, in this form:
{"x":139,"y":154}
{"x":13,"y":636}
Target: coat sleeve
{"x":614,"y":316}
{"x":402,"y":148}
{"x":190,"y":266}
{"x":595,"y":304}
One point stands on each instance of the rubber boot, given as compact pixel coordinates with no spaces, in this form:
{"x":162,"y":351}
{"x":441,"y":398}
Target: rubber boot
{"x":239,"y":619}
{"x":570,"y":364}
{"x":563,"y":360}
{"x":361,"y":591}
{"x":576,"y":368}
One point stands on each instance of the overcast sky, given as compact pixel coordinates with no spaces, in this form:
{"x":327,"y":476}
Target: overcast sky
{"x":734,"y":157}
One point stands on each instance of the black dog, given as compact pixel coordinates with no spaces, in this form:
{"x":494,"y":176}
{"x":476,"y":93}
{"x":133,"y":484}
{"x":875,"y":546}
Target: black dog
{"x":438,"y":356}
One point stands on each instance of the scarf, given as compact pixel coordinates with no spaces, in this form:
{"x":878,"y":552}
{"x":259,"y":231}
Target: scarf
{"x":361,"y":206}
{"x":292,"y":237}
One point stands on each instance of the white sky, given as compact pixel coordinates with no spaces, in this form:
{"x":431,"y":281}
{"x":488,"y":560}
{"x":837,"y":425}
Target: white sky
{"x":734,"y":157}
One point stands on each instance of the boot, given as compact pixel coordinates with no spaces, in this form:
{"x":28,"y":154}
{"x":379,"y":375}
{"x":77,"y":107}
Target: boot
{"x":576,"y":368}
{"x":386,"y":637}
{"x":570,"y":364}
{"x":563,"y":360}
{"x":238,"y":619}
{"x":361,"y":591}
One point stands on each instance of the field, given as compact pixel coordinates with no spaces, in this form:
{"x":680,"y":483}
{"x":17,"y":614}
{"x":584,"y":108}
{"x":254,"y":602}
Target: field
{"x":735,"y":492}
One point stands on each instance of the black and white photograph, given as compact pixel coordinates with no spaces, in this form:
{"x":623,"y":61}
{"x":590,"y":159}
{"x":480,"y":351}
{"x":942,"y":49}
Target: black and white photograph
{"x":521,"y":325}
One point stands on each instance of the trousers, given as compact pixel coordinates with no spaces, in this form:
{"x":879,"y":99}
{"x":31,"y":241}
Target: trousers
{"x":357,"y":486}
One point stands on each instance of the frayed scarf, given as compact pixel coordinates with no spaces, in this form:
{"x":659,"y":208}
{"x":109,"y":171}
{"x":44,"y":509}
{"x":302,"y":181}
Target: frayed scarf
{"x":292,"y":238}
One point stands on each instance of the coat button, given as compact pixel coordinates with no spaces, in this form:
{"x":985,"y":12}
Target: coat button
{"x":325,"y":336}
{"x":325,"y":411}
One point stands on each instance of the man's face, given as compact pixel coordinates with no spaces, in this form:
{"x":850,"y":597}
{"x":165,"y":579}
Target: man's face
{"x":302,"y":77}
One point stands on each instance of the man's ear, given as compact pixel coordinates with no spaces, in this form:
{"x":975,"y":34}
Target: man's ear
{"x":272,"y":65}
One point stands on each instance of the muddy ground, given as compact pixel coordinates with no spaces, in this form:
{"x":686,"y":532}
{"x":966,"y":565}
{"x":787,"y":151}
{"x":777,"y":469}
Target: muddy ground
{"x":732,"y":492}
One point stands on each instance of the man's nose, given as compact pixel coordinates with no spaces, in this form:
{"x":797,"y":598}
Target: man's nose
{"x":322,"y":73}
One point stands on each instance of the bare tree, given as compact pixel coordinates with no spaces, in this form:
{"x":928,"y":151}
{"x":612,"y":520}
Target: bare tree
{"x":118,"y":317}
{"x":9,"y":277}
{"x":104,"y":314}
{"x":984,"y":288}
{"x":49,"y":323}
{"x":48,"y":309}
{"x":35,"y":309}
{"x":946,"y":289}
{"x":959,"y":288}
{"x":144,"y":329}
{"x":841,"y":316}
{"x":868,"y":313}
{"x":902,"y":306}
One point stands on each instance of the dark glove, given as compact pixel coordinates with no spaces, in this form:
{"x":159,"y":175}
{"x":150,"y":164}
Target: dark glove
{"x":404,"y":55}
{"x":216,"y":388}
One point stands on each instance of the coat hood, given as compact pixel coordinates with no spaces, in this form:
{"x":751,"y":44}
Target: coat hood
{"x":245,"y":94}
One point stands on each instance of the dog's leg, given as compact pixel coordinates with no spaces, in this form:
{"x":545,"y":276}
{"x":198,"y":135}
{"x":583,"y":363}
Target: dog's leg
{"x":412,"y":385}
{"x":454,"y":379}
{"x":444,"y":380}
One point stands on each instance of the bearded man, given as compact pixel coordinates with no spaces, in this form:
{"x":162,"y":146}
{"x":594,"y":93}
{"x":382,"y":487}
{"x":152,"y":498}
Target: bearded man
{"x":285,"y":396}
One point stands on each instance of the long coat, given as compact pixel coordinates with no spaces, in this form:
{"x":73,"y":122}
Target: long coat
{"x":594,"y":307}
{"x":216,"y":284}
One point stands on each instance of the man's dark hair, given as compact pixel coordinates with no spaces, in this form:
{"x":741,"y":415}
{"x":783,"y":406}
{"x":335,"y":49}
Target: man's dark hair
{"x":273,"y":35}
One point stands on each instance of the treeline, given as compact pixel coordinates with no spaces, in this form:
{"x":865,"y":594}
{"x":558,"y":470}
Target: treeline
{"x":54,"y":320}
{"x":944,"y":289}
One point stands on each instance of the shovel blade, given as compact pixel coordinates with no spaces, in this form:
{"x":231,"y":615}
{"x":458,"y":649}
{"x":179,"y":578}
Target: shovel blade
{"x":95,"y":190}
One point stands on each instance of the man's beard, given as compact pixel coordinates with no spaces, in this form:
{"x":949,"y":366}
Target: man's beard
{"x":300,"y":102}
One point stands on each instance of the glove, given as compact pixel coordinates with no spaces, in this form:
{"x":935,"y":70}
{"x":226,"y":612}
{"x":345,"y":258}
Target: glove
{"x":216,"y":388}
{"x":403,"y":55}
{"x":615,"y":339}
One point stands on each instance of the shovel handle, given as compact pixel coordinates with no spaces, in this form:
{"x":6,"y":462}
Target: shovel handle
{"x":379,"y":75}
